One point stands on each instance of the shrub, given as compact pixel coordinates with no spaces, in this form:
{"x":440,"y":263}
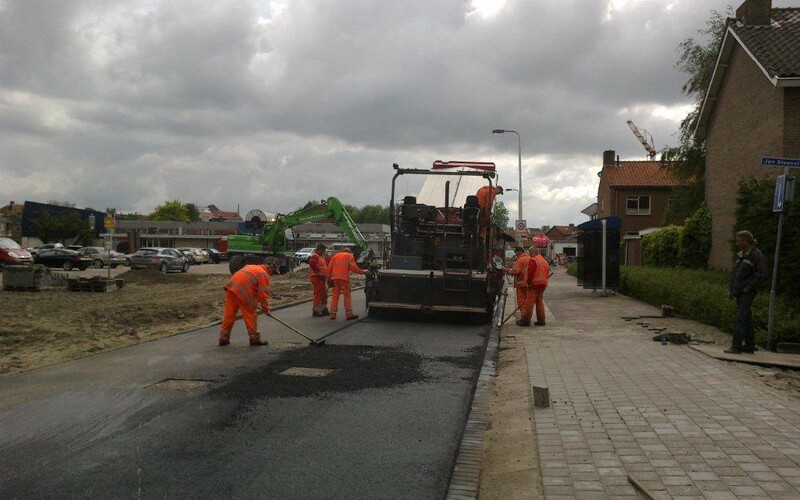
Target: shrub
{"x":754,"y":213}
{"x":702,"y":295}
{"x":661,"y":247}
{"x":695,"y":242}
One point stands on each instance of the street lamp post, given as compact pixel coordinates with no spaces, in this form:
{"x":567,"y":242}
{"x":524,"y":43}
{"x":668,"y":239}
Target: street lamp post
{"x":519,"y":155}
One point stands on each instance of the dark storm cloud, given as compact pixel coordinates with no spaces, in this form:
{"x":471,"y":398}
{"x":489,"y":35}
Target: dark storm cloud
{"x":271,"y":104}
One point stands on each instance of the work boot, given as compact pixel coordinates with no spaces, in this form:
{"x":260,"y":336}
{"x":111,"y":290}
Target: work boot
{"x":354,"y":316}
{"x":224,"y":337}
{"x":317,"y":314}
{"x":523,"y":323}
{"x":325,"y":312}
{"x":255,"y":339}
{"x":539,"y":323}
{"x":333,"y":318}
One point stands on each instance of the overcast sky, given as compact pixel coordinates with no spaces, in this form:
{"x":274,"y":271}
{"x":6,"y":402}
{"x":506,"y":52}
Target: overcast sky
{"x":259,"y":104}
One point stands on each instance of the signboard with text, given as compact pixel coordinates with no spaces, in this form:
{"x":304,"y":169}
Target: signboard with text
{"x":768,"y":161}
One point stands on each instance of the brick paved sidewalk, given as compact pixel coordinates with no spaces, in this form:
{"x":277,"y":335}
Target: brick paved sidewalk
{"x":680,"y":423}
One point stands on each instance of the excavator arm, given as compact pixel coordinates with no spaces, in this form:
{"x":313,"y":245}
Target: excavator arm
{"x":274,"y":234}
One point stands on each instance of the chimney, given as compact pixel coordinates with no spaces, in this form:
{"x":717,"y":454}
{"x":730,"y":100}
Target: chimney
{"x":755,"y":12}
{"x":608,"y":157}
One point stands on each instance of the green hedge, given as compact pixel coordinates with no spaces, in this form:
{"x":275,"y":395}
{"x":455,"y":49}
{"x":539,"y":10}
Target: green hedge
{"x":662,"y":247}
{"x":702,"y":295}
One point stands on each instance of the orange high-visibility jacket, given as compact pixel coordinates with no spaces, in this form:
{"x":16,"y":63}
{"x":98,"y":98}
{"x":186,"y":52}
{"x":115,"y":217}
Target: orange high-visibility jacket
{"x":251,"y":284}
{"x":340,"y":266}
{"x":540,"y":271}
{"x":317,"y":267}
{"x":486,"y":197}
{"x":520,"y":271}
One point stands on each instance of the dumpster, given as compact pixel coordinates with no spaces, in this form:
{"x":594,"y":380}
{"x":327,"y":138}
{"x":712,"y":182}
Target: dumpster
{"x":25,"y":278}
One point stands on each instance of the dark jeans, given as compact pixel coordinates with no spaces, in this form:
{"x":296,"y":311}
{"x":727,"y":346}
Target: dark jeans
{"x":743,"y":332}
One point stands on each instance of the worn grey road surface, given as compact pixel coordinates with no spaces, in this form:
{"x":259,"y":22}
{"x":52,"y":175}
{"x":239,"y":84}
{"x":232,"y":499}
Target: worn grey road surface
{"x":376,"y":413}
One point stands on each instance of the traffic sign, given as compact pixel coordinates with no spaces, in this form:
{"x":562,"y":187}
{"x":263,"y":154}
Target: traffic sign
{"x":780,"y":194}
{"x":522,"y":225}
{"x":110,"y":223}
{"x":768,"y":161}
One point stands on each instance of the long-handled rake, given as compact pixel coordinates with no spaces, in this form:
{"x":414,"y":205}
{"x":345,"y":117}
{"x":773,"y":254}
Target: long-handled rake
{"x":295,"y":330}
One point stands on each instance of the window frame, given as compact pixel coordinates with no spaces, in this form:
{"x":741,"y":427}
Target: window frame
{"x":638,"y":199}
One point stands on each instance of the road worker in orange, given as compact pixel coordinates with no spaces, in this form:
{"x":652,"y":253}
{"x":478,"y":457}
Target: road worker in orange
{"x":339,"y":268}
{"x":486,"y":196}
{"x":538,"y":276}
{"x":520,"y":274}
{"x":247,"y":289}
{"x":318,"y":273}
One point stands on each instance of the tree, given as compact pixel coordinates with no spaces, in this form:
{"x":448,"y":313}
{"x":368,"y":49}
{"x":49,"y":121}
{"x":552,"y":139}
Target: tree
{"x":172,"y":211}
{"x":193,"y":212}
{"x":500,"y":214}
{"x":688,"y":159}
{"x":61,"y":227}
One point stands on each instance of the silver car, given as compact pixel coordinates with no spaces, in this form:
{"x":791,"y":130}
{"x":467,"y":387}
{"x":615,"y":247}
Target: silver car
{"x":163,"y":259}
{"x":102,"y":257}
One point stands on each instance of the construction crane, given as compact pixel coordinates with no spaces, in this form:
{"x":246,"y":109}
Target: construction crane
{"x":645,"y":138}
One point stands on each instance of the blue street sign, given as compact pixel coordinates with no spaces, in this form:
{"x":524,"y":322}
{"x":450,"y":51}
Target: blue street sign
{"x":780,"y":162}
{"x":780,"y":194}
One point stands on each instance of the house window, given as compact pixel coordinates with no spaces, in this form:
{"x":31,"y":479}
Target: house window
{"x":638,"y":205}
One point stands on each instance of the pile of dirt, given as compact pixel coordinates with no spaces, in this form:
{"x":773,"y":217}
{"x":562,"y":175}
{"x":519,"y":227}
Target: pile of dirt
{"x":154,"y":276}
{"x":55,"y":325}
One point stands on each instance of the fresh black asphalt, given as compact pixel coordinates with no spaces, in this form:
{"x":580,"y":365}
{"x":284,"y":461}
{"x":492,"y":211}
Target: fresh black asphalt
{"x":384,"y":420}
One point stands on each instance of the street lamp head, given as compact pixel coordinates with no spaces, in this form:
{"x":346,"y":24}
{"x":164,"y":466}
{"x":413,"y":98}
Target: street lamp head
{"x":498,"y":131}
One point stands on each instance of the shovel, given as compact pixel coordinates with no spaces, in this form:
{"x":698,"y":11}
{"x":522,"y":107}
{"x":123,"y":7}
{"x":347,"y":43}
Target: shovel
{"x":295,"y":330}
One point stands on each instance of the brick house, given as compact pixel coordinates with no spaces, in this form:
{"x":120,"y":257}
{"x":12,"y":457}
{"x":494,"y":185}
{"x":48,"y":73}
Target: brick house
{"x":751,"y":109}
{"x":564,"y":238}
{"x":639,"y":193}
{"x":11,"y":221}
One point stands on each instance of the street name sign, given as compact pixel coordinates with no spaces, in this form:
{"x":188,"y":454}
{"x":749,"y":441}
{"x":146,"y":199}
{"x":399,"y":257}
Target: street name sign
{"x":768,"y":161}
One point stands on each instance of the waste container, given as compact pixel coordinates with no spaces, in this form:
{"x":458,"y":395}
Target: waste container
{"x":25,"y":278}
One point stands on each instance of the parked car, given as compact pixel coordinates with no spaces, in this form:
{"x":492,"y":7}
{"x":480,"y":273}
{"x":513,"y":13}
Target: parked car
{"x":303,"y":254}
{"x":206,"y":256}
{"x":47,"y":246}
{"x":163,"y":259}
{"x":102,"y":257}
{"x":195,"y":255}
{"x":11,"y":254}
{"x":62,"y":257}
{"x":214,"y":255}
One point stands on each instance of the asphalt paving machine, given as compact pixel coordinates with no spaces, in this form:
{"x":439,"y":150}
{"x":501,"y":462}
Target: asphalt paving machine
{"x":444,"y":260}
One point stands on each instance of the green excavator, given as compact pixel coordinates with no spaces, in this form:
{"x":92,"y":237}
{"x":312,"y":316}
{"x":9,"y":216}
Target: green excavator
{"x":272,"y":246}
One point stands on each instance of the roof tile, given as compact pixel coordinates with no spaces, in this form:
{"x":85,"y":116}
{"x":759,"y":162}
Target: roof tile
{"x":776,"y":46}
{"x":639,"y":174}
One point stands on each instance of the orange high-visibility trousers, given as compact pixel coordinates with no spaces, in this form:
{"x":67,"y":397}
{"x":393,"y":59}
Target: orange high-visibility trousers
{"x":233,"y":303}
{"x":341,"y":288}
{"x":320,"y":294}
{"x":530,"y":299}
{"x":538,"y":299}
{"x":524,"y":303}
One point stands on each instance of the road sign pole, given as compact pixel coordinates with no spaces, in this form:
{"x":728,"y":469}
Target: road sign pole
{"x":772,"y":294}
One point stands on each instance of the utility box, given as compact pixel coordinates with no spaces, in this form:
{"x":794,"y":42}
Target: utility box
{"x":25,"y":278}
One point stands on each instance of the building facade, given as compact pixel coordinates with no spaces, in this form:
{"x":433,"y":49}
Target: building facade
{"x":638,"y":192}
{"x":751,"y":109}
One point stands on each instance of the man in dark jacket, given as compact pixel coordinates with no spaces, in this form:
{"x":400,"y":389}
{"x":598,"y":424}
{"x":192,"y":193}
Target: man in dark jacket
{"x":749,"y":271}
